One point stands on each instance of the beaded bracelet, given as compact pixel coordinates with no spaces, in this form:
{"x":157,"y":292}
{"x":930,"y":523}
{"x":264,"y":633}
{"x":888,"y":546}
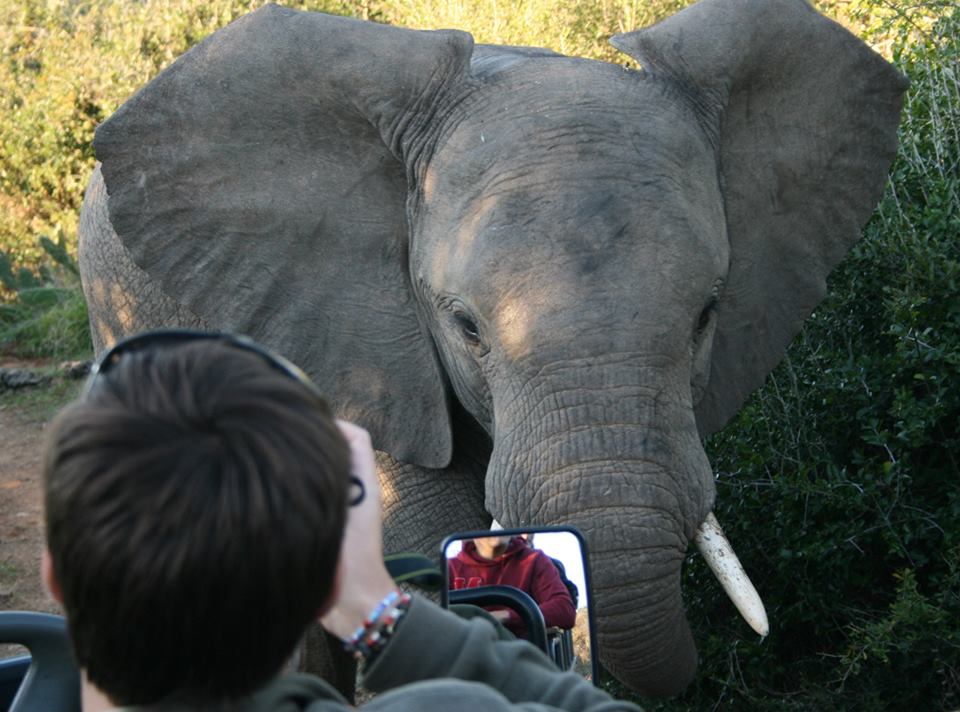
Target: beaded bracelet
{"x":370,"y":638}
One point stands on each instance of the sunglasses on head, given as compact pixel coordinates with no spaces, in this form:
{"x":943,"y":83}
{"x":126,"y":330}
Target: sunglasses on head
{"x":171,"y":338}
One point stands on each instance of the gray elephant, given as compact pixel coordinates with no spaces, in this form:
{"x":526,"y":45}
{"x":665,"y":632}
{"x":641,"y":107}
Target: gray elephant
{"x":539,"y":281}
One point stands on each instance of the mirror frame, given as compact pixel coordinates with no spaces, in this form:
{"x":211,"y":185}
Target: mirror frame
{"x":516,"y":531}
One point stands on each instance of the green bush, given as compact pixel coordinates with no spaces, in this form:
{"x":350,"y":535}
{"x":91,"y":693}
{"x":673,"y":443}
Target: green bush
{"x":838,"y":481}
{"x":68,"y":64}
{"x":46,"y":317}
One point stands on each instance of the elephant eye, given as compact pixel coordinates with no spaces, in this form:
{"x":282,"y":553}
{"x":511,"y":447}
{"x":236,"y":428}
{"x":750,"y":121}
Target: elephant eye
{"x":467,"y":327}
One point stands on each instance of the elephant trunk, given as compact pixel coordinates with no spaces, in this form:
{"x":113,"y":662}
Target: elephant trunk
{"x":616,"y":453}
{"x":643,"y":636}
{"x":638,"y":492}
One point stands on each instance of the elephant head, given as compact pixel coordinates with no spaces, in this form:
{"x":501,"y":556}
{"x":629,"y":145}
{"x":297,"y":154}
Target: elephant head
{"x":596,"y":264}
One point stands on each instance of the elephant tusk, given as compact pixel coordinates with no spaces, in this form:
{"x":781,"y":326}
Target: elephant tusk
{"x":722,"y":560}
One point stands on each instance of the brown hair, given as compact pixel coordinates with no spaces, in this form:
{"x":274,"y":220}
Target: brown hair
{"x":195,"y":506}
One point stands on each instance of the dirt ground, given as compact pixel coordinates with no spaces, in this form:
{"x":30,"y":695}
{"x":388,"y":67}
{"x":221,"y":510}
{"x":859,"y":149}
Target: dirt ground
{"x":21,"y":531}
{"x":23,"y":414}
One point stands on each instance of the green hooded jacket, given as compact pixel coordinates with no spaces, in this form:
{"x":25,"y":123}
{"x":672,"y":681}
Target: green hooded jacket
{"x":438,"y":662}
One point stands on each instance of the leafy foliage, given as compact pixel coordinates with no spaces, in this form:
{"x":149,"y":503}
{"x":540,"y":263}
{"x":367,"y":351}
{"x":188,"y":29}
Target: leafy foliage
{"x":68,"y":64}
{"x":47,"y":315}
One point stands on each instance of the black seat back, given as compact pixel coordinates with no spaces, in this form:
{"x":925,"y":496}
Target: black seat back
{"x":571,"y":586}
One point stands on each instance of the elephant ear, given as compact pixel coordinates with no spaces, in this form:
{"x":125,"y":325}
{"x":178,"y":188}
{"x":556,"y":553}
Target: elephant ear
{"x":804,"y":117}
{"x":260,"y":179}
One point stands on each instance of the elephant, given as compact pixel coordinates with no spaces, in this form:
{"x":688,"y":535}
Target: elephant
{"x":539,"y":281}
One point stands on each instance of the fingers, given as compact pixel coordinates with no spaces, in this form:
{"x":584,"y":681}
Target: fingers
{"x":352,"y":432}
{"x":363,"y":578}
{"x":362,"y":462}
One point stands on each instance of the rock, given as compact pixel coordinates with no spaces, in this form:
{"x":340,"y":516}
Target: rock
{"x":75,"y":370}
{"x":14,"y":378}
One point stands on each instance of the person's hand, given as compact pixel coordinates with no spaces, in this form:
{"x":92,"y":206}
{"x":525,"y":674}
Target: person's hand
{"x":364,"y":580}
{"x":502,"y":615}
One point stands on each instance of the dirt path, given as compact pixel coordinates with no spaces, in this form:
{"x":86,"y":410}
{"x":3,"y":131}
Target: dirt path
{"x":21,"y":533}
{"x":23,"y":414}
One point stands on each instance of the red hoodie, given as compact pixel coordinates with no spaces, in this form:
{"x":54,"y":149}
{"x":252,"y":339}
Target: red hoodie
{"x":523,"y":567}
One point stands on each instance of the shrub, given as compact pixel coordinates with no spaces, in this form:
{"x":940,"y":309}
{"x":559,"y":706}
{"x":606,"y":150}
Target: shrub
{"x":47,"y":315}
{"x":68,"y":65}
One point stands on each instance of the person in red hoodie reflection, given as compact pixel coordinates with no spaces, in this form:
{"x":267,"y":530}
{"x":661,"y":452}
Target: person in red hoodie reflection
{"x":512,"y":561}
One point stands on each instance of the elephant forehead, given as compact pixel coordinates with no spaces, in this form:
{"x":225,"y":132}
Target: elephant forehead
{"x":584,"y":186}
{"x":518,"y":258}
{"x":604,"y":234}
{"x":546,"y":114}
{"x":572,"y":167}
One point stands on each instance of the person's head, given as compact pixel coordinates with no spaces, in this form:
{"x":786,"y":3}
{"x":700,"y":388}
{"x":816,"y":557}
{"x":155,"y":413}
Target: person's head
{"x":195,"y":504}
{"x":490,"y":547}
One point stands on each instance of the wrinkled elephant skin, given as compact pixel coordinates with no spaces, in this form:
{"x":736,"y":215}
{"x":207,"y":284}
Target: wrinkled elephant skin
{"x":537,"y":280}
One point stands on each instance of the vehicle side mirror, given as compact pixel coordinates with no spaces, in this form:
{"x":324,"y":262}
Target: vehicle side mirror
{"x":534,"y":582}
